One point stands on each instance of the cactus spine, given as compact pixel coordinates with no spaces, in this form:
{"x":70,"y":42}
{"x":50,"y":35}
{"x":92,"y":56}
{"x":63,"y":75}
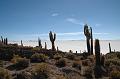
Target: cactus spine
{"x":109,"y":48}
{"x":87,"y":34}
{"x":91,"y":40}
{"x":97,"y":52}
{"x":39,"y":43}
{"x":52,"y":39}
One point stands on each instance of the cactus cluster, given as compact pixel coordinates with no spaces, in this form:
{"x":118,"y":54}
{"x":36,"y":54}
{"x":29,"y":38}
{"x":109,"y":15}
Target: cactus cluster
{"x":52,"y":39}
{"x":4,"y":40}
{"x":88,"y":34}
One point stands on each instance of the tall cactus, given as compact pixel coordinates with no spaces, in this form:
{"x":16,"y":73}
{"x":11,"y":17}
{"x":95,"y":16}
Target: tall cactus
{"x":91,"y":40}
{"x":21,"y":43}
{"x":2,"y":39}
{"x":45,"y":45}
{"x":39,"y":43}
{"x":109,"y":48}
{"x":6,"y":41}
{"x":87,"y":34}
{"x":97,"y":52}
{"x":52,"y":39}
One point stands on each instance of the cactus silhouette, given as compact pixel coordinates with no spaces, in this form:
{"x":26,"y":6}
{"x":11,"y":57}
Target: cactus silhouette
{"x":21,"y":43}
{"x":109,"y":48}
{"x":39,"y":43}
{"x":97,"y":52}
{"x":87,"y":34}
{"x":57,"y":48}
{"x":2,"y":39}
{"x":91,"y":40}
{"x":6,"y":41}
{"x":45,"y":45}
{"x":52,"y":39}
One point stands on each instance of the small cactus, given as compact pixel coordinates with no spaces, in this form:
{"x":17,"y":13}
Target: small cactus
{"x":57,"y":48}
{"x":87,"y":34}
{"x":97,"y":52}
{"x":39,"y":43}
{"x":52,"y":39}
{"x":109,"y":48}
{"x":4,"y":41}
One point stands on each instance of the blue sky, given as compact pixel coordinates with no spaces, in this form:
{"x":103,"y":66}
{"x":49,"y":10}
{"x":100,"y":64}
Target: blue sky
{"x":29,"y":19}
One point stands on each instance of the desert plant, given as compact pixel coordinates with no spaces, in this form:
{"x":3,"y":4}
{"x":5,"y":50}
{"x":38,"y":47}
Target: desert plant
{"x":102,"y":60}
{"x":6,"y":41}
{"x":5,"y":74}
{"x":61,"y":63}
{"x":88,"y":73}
{"x":97,"y":52}
{"x":40,"y":71}
{"x":45,"y":45}
{"x":77,"y":65}
{"x":109,"y":48}
{"x":21,"y":63}
{"x":91,"y":36}
{"x":21,"y":43}
{"x":70,"y":56}
{"x":2,"y":39}
{"x":52,"y":39}
{"x":38,"y":57}
{"x":39,"y":43}
{"x":87,"y":34}
{"x":23,"y":75}
{"x":85,"y":62}
{"x":115,"y":74}
{"x":1,"y":63}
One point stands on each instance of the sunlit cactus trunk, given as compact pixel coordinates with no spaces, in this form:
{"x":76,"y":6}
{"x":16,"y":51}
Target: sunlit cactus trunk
{"x":52,"y":39}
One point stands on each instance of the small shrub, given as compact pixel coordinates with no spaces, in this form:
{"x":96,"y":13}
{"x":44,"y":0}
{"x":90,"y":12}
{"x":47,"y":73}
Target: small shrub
{"x":77,"y":65}
{"x":70,"y":56}
{"x":5,"y":74}
{"x":88,"y":73}
{"x":23,"y":75}
{"x":57,"y":57}
{"x":85,"y":62}
{"x":61,"y":63}
{"x":38,"y":58}
{"x":1,"y":63}
{"x":40,"y":71}
{"x":22,"y":63}
{"x":115,"y":74}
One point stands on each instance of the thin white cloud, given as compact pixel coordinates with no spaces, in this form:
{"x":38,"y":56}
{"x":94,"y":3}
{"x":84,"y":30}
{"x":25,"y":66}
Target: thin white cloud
{"x":55,"y":14}
{"x":97,"y":25}
{"x":74,"y":21}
